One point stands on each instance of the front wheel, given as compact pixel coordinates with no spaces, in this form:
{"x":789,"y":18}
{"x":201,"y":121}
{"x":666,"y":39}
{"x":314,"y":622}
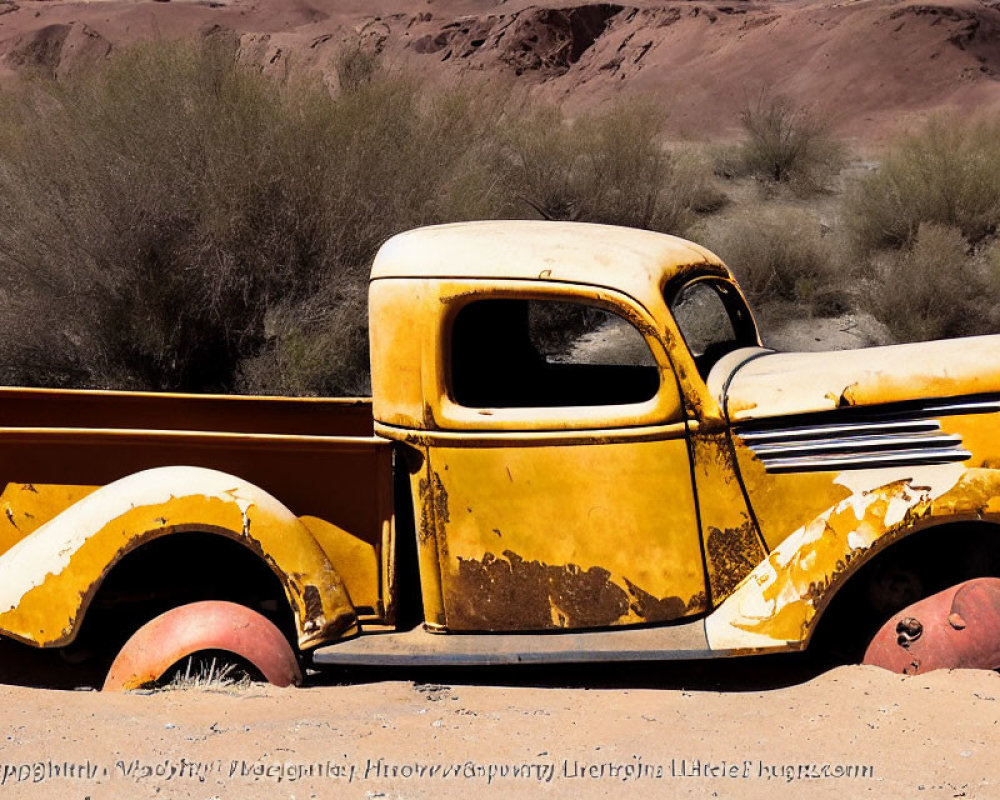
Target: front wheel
{"x":210,"y":625}
{"x":954,"y":629}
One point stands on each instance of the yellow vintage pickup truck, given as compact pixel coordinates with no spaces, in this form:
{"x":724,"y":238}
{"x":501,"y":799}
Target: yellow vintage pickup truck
{"x":577,"y":449}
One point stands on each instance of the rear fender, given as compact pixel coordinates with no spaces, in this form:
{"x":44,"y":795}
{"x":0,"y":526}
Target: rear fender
{"x":48,"y":579}
{"x":777,"y":605}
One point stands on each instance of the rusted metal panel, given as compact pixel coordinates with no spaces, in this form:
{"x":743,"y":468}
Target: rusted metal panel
{"x":506,"y":497}
{"x":325,"y":477}
{"x":48,"y":578}
{"x":553,"y":517}
{"x":432,"y":517}
{"x":731,"y":541}
{"x":343,"y":481}
{"x":956,"y":628}
{"x":540,"y":534}
{"x":25,"y":407}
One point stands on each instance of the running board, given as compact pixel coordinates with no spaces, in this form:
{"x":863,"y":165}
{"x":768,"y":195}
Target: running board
{"x":418,"y":647}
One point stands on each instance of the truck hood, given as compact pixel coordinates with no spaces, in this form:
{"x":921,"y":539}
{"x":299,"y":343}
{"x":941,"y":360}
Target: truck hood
{"x":755,"y":384}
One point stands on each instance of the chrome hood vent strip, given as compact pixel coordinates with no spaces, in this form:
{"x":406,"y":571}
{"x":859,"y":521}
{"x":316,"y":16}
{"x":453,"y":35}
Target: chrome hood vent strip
{"x":865,"y":438}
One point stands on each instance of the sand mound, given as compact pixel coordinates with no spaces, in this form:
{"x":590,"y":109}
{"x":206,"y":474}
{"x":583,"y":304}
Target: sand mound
{"x":851,"y":732}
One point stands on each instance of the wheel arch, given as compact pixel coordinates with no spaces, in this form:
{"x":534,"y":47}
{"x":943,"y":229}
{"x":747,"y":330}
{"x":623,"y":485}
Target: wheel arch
{"x":778,"y":606}
{"x":48,"y":580}
{"x":159,"y":574}
{"x":924,"y":561}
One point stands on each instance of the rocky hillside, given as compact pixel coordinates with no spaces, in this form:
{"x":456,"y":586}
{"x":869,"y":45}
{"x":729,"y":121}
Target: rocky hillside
{"x":867,"y":65}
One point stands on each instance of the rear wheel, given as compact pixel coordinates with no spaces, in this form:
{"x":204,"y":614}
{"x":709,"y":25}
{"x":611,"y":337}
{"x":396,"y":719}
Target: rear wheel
{"x":211,"y":629}
{"x":955,"y":628}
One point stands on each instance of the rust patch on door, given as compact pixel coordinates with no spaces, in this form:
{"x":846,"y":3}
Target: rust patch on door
{"x":313,"y":602}
{"x":663,"y":609}
{"x":508,"y":593}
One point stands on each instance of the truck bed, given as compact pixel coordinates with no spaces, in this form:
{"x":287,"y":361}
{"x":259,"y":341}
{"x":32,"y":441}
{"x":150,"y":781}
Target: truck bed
{"x":319,"y":457}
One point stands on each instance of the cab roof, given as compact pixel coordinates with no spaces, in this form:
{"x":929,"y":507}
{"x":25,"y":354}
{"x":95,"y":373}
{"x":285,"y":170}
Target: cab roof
{"x":630,"y":260}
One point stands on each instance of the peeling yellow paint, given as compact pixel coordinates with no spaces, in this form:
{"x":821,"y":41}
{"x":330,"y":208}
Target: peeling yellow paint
{"x":28,"y":506}
{"x":528,"y":532}
{"x":355,"y":560}
{"x":48,"y":578}
{"x":777,"y":604}
{"x":794,"y":383}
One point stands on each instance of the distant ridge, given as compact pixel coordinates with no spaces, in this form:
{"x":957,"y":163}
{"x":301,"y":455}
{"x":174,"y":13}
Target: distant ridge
{"x":869,"y":66}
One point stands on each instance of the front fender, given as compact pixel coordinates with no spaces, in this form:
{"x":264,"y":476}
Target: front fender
{"x":776,"y":605}
{"x":48,"y":579}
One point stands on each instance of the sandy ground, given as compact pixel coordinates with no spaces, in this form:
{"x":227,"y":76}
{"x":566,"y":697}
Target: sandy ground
{"x":850,"y":732}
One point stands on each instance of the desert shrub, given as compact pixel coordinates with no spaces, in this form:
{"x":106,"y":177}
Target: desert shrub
{"x":777,"y":254}
{"x":934,"y":288}
{"x":785,"y":144}
{"x":356,"y":65}
{"x":174,"y":221}
{"x":307,"y":338}
{"x":610,"y":166}
{"x":947,"y":173}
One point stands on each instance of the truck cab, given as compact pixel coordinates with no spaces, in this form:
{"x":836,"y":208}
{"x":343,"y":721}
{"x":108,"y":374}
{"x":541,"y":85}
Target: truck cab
{"x":597,"y":443}
{"x":551,"y":385}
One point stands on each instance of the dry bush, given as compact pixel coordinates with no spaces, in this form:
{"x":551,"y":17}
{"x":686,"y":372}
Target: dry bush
{"x":934,"y":288}
{"x":784,"y":144}
{"x":610,"y":167}
{"x":172,"y":220}
{"x":356,"y":65}
{"x":780,"y":255}
{"x":947,"y":173}
{"x":175,"y":221}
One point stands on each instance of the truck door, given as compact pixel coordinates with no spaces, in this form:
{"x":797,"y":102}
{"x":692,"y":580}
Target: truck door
{"x":556,"y":489}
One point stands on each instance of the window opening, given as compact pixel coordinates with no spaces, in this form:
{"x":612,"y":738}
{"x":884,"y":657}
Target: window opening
{"x":714,"y":321}
{"x":528,"y":353}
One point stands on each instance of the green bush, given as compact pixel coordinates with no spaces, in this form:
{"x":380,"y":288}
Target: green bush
{"x":934,"y":288}
{"x":784,"y":144}
{"x":947,"y":173}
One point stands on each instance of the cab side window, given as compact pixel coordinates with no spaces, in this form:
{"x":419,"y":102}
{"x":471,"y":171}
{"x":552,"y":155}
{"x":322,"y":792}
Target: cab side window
{"x":529,"y":353}
{"x":714,"y":321}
